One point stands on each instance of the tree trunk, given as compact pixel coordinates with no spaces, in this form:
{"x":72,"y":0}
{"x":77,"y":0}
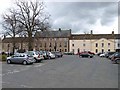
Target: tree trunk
{"x":13,"y":46}
{"x":21,"y":45}
{"x":30,"y":47}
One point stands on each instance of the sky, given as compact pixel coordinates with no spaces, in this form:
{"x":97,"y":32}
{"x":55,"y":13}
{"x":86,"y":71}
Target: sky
{"x":81,"y":17}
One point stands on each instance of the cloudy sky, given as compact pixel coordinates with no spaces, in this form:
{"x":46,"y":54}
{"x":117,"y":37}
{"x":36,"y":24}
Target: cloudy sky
{"x":81,"y":17}
{"x":101,"y":17}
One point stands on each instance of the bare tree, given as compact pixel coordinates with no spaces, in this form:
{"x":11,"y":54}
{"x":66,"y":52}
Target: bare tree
{"x":11,"y":26}
{"x":28,"y":17}
{"x":23,"y":36}
{"x":32,"y":17}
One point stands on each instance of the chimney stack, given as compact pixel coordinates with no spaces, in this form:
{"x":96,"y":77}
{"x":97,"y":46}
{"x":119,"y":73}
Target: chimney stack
{"x":112,"y":32}
{"x":91,"y":32}
{"x":59,"y":29}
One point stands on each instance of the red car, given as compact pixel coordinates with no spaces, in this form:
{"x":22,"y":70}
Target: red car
{"x":91,"y":53}
{"x":86,"y":52}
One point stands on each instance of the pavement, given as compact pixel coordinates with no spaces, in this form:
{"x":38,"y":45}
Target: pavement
{"x":66,"y":72}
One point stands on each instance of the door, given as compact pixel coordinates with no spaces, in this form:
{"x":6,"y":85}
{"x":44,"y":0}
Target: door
{"x":14,"y":59}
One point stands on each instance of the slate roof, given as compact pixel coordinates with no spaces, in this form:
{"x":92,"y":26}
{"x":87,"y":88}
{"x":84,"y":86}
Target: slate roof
{"x":17,"y":40}
{"x":51,"y":34}
{"x":65,"y":34}
{"x":94,"y":36}
{"x":117,"y":36}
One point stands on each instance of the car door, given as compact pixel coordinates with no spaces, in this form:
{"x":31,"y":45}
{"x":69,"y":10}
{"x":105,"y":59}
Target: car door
{"x":14,"y":59}
{"x":21,"y":58}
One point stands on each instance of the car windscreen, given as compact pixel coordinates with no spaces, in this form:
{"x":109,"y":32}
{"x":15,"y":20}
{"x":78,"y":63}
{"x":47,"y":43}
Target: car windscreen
{"x":37,"y":53}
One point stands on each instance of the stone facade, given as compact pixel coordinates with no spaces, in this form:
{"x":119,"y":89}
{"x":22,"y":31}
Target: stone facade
{"x":64,"y":41}
{"x":52,"y":44}
{"x":46,"y":40}
{"x":94,"y":42}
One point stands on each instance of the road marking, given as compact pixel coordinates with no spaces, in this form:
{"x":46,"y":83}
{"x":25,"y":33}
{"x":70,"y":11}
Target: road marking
{"x":25,"y":86}
{"x":23,"y":69}
{"x":14,"y":71}
{"x":5,"y":83}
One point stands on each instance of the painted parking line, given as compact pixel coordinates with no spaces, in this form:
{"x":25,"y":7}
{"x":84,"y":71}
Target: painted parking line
{"x":25,"y":86}
{"x":14,"y":71}
{"x":20,"y":70}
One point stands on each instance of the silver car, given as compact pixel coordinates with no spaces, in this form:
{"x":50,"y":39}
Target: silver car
{"x":51,"y":55}
{"x":38,"y":57}
{"x":20,"y":58}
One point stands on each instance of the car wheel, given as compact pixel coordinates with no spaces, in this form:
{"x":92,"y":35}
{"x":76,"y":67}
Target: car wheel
{"x":35,"y":59}
{"x":24,"y":62}
{"x":8,"y":61}
{"x":49,"y":57}
{"x":116,"y":62}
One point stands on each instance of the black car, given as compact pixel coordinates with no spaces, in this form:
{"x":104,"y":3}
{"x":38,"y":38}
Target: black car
{"x":86,"y":55}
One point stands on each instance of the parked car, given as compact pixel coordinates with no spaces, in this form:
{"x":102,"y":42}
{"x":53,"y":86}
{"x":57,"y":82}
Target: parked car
{"x":108,"y":54}
{"x":21,"y":58}
{"x":68,"y":53}
{"x":45,"y":54}
{"x":99,"y":53}
{"x":115,"y":58}
{"x":38,"y":56}
{"x":92,"y":53}
{"x":87,"y":55}
{"x":110,"y":57}
{"x":51,"y":55}
{"x":102,"y":55}
{"x":57,"y":54}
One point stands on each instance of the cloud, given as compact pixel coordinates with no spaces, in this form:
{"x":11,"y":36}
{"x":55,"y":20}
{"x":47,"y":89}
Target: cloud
{"x":80,"y":16}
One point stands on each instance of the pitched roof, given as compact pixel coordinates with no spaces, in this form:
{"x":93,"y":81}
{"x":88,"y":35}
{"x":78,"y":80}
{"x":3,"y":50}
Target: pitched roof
{"x":94,"y":36}
{"x":117,"y":36}
{"x":59,"y":33}
{"x":17,"y":40}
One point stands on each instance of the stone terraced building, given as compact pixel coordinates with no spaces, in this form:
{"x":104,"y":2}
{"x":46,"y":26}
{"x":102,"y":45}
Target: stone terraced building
{"x":64,"y":41}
